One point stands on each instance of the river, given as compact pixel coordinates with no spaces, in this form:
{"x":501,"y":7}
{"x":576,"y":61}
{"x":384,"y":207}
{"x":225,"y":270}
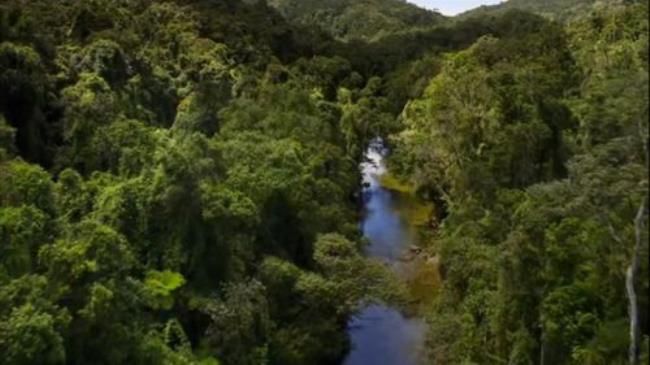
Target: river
{"x":381,"y":335}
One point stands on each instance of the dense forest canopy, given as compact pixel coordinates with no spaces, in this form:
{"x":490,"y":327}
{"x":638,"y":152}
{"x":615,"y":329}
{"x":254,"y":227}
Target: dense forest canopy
{"x":180,"y":184}
{"x":536,"y":146}
{"x":357,"y":19}
{"x":562,"y":10}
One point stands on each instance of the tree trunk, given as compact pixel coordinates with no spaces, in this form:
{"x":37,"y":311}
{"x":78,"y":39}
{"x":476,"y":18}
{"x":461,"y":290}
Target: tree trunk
{"x":630,"y":280}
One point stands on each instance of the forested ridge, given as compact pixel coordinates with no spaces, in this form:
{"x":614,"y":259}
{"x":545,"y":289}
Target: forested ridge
{"x":357,"y":19}
{"x":562,"y":10}
{"x":180,"y":184}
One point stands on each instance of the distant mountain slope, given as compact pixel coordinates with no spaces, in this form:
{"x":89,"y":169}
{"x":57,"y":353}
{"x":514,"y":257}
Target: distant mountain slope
{"x":555,"y":9}
{"x":357,"y":19}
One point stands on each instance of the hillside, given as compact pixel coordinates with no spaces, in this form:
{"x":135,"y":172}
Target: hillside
{"x":357,"y":19}
{"x":554,"y":9}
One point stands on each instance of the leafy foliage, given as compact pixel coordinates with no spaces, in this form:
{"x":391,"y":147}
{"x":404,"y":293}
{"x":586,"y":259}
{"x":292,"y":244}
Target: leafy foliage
{"x":538,"y":155}
{"x":154,"y":155}
{"x":179,"y":179}
{"x":345,"y":19}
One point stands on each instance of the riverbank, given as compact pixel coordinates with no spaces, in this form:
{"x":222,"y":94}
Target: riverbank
{"x":391,"y":334}
{"x":418,"y":265}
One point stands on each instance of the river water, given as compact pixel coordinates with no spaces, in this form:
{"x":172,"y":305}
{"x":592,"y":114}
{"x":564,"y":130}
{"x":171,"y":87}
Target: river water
{"x":381,"y":335}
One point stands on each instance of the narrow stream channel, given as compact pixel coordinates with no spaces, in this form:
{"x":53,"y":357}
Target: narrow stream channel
{"x":381,"y":335}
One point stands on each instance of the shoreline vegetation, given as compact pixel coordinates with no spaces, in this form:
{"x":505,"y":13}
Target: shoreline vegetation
{"x":419,"y":266}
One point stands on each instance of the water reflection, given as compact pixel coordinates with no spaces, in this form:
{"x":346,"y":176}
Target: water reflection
{"x":381,"y":335}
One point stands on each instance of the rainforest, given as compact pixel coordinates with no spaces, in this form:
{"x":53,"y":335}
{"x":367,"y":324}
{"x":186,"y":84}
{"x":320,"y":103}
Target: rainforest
{"x":323,"y":182}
